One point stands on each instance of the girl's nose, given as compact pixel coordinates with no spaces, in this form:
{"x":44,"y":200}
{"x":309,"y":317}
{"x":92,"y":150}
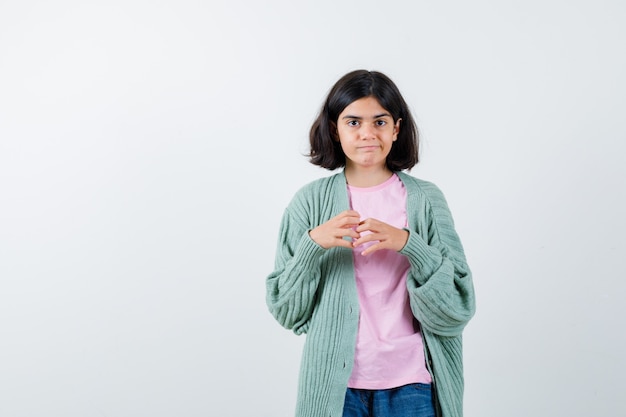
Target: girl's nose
{"x":367,"y":131}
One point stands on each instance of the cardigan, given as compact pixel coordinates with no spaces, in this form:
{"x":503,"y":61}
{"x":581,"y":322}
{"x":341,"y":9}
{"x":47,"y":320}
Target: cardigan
{"x":312,"y":291}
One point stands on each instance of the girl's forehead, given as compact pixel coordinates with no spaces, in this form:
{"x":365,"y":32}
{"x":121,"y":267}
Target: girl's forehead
{"x":366,"y":106}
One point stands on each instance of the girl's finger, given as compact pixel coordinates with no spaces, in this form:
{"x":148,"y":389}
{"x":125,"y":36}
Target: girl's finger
{"x":349,"y":233}
{"x":370,"y":237}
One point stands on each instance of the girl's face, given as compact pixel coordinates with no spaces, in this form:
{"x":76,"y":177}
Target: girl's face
{"x":366,"y":132}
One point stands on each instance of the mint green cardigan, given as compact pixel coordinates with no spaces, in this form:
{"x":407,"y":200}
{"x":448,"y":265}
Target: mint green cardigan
{"x":312,"y":290}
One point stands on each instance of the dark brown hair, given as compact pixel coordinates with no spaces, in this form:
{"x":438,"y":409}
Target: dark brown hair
{"x":326,"y":150}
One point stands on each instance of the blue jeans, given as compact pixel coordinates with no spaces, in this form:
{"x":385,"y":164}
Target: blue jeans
{"x":413,"y":400}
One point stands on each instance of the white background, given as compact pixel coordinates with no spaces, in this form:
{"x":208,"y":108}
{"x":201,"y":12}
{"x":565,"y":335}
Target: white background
{"x":148,"y":149}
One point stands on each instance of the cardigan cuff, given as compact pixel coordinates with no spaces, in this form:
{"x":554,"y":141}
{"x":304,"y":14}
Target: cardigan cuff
{"x":424,"y":258}
{"x":308,"y":252}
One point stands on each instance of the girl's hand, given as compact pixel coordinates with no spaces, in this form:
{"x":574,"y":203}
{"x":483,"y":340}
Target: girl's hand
{"x":332,"y":233}
{"x":386,"y":236}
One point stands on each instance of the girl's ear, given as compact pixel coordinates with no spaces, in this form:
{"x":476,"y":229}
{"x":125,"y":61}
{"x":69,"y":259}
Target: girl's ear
{"x":396,"y":129}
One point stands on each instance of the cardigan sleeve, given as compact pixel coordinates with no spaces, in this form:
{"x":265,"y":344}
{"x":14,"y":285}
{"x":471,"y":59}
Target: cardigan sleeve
{"x":291,"y":288}
{"x":440,"y":285}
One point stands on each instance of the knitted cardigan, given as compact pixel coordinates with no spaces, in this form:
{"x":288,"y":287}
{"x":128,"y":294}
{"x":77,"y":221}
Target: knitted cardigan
{"x":312,"y":290}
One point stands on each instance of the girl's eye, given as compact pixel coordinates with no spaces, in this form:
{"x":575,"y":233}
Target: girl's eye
{"x":381,"y":122}
{"x":353,"y":122}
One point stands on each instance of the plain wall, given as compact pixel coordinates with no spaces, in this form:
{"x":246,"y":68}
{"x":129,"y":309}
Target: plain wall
{"x":149,"y":148}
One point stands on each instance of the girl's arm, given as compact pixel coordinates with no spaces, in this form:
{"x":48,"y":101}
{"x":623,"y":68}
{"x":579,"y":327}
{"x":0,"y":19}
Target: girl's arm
{"x":440,"y":282}
{"x":291,"y":288}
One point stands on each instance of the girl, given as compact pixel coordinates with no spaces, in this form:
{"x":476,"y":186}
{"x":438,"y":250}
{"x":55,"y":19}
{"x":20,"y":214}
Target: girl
{"x":370,"y":267}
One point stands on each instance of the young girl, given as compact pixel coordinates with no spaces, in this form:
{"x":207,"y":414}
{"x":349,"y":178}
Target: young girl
{"x":370,"y":267}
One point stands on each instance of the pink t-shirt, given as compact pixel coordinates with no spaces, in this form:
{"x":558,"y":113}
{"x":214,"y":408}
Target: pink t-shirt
{"x":389,"y":349}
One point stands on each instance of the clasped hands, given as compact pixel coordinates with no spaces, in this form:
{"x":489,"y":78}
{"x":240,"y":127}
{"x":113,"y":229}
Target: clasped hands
{"x":349,"y":224}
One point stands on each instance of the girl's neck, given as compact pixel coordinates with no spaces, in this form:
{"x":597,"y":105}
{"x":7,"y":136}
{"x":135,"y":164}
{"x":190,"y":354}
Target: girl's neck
{"x":363,"y":178}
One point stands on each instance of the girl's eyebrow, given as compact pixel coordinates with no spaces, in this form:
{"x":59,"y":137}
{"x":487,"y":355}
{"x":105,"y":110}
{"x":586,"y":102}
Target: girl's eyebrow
{"x":360,"y":118}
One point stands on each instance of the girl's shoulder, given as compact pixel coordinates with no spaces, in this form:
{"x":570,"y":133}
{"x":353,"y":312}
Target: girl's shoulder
{"x":315,"y":187}
{"x":317,"y":192}
{"x":416,"y":185}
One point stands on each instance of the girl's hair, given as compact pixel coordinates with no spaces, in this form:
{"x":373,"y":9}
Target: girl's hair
{"x":325,"y":148}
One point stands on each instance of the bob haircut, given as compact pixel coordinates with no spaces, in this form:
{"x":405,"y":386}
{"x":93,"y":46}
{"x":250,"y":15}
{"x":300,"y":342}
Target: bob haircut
{"x":325,"y":148}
